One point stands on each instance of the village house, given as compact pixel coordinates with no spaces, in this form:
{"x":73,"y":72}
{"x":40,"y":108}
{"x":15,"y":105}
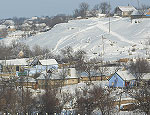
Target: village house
{"x":13,"y":65}
{"x":124,"y":11}
{"x":38,"y":66}
{"x":121,"y":79}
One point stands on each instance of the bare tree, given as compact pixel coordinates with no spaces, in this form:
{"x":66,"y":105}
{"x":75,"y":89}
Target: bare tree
{"x":53,"y":102}
{"x":84,"y":103}
{"x":83,"y":8}
{"x":14,"y":101}
{"x":139,"y":68}
{"x":143,"y":9}
{"x":63,"y":75}
{"x":105,"y":7}
{"x":27,"y":102}
{"x":37,"y":50}
{"x":91,"y":99}
{"x":142,"y":99}
{"x":80,"y":56}
{"x":102,"y":69}
{"x":90,"y":67}
{"x":67,"y":54}
{"x":5,"y":51}
{"x":16,"y":47}
{"x":96,"y":9}
{"x":76,"y":13}
{"x":49,"y":102}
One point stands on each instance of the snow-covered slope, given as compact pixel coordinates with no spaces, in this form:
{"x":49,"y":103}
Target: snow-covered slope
{"x":87,"y":34}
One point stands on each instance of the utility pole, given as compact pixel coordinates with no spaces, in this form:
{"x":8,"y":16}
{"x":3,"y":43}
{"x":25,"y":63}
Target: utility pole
{"x":109,"y":16}
{"x":103,"y":44}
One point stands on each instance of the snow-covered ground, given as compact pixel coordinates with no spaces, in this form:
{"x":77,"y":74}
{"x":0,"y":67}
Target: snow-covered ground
{"x":87,"y":34}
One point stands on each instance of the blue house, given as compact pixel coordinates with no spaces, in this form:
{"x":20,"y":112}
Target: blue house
{"x":121,"y":79}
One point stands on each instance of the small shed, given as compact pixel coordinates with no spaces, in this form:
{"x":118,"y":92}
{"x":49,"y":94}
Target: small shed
{"x":121,"y":79}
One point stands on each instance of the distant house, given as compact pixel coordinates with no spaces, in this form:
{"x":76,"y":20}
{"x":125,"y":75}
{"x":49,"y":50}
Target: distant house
{"x":47,"y":64}
{"x":124,"y":11}
{"x":13,"y":65}
{"x":39,"y":66}
{"x":121,"y":79}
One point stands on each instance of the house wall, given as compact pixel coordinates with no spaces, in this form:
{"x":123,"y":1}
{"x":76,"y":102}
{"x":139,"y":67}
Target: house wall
{"x":71,"y":81}
{"x":29,"y":84}
{"x":57,"y":83}
{"x":12,"y":68}
{"x":116,"y":81}
{"x":118,"y":12}
{"x":126,"y":13}
{"x":123,"y":13}
{"x":96,"y":78}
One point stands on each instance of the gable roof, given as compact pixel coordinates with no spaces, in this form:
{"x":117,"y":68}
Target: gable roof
{"x":126,"y":8}
{"x":14,"y":62}
{"x":48,"y":62}
{"x":125,"y":75}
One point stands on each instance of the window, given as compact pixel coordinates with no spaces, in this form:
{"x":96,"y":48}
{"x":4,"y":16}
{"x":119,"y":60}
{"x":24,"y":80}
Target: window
{"x":17,"y":68}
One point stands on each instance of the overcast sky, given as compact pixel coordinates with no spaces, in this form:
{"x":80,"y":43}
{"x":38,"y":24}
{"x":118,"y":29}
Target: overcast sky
{"x":29,"y":8}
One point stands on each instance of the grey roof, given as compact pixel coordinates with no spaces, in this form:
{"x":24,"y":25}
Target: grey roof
{"x":126,"y":8}
{"x":48,"y":62}
{"x":14,"y":62}
{"x":125,"y":75}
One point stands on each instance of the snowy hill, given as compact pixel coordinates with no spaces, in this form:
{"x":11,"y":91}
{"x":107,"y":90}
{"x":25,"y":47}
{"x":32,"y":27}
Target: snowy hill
{"x":126,"y":39}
